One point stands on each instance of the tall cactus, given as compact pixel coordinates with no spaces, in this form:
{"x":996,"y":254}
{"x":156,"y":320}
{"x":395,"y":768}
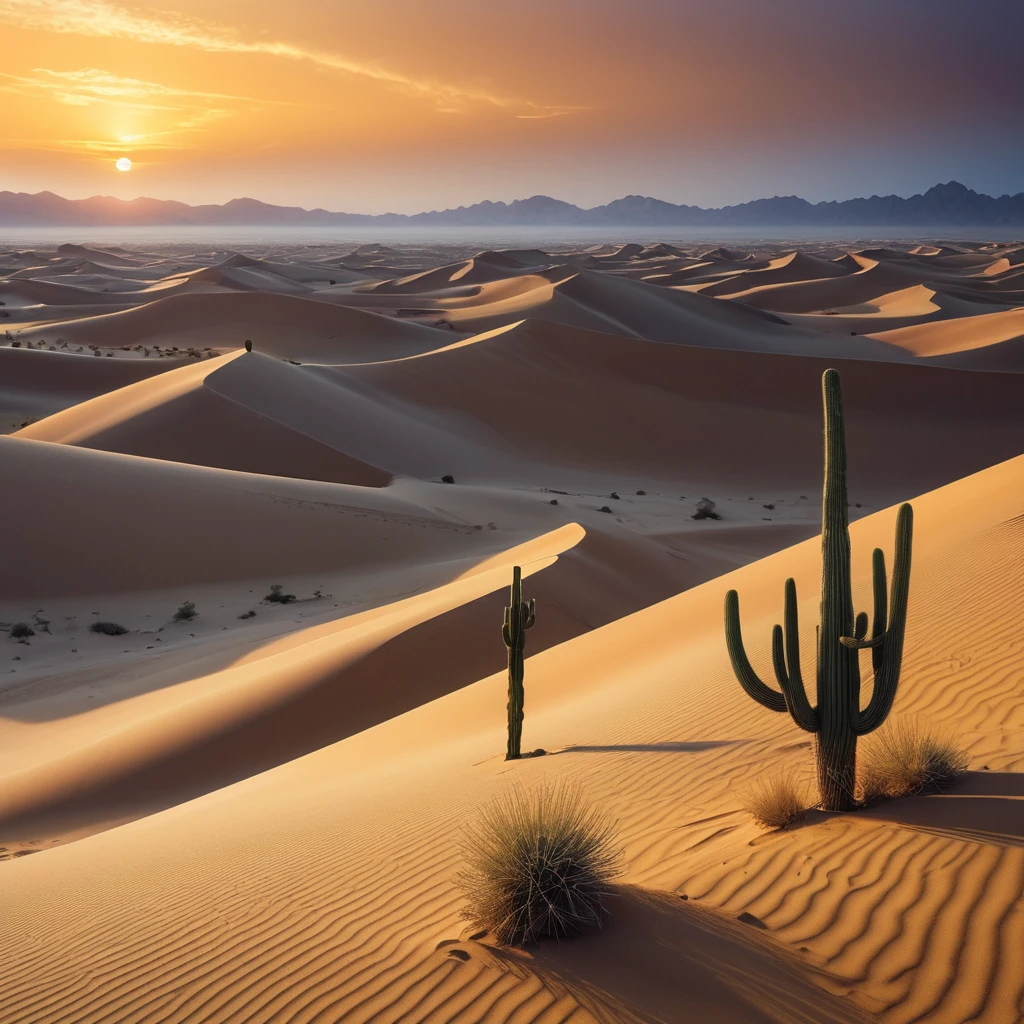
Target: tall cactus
{"x":519,"y":617}
{"x":837,"y":719}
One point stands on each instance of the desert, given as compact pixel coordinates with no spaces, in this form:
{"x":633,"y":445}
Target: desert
{"x":291,"y":483}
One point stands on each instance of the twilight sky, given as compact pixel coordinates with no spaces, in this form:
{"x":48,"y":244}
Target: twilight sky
{"x":406,"y":105}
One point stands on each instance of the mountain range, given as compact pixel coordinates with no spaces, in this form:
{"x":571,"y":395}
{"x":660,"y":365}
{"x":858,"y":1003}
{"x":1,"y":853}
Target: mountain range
{"x":948,"y":204}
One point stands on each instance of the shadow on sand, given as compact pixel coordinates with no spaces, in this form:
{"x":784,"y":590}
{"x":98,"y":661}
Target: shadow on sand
{"x":658,"y":959}
{"x":667,"y":747}
{"x":984,"y":807}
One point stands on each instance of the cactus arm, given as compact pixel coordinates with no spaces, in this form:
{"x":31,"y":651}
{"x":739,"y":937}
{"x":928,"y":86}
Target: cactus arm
{"x":880,"y":625}
{"x":779,"y":658}
{"x":748,"y":678}
{"x":791,"y":679}
{"x":862,"y":645}
{"x":887,"y":671}
{"x":506,"y":629}
{"x":530,"y":614}
{"x":878,"y":630}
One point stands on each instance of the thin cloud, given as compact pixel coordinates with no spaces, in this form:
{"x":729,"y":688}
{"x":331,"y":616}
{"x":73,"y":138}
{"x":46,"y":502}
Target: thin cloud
{"x":86,"y":86}
{"x":110,"y":20}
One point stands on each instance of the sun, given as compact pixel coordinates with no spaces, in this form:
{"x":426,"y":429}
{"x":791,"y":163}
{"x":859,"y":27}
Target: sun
{"x":123,"y":164}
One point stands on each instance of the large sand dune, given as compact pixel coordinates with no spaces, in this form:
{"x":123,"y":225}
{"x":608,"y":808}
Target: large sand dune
{"x":255,"y":813}
{"x":651,"y":719}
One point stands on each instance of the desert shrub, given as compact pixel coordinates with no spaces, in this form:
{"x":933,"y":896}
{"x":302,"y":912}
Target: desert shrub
{"x":250,"y":614}
{"x":776,"y":801}
{"x":277,"y":595}
{"x":107,"y":628}
{"x":447,"y":479}
{"x":705,"y":510}
{"x":21,"y":631}
{"x":538,"y":864}
{"x":186,"y":612}
{"x":905,"y":759}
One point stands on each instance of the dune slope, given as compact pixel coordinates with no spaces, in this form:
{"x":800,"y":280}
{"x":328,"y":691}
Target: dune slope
{"x":650,"y":720}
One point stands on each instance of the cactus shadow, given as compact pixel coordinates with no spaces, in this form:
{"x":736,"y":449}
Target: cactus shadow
{"x":681,"y":747}
{"x":984,"y":807}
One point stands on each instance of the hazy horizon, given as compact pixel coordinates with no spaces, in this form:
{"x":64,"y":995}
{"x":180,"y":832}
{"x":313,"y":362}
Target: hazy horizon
{"x":486,"y":237}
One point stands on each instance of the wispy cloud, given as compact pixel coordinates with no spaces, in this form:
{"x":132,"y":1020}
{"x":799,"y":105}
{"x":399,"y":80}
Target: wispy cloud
{"x":85,"y":86}
{"x":111,"y":20}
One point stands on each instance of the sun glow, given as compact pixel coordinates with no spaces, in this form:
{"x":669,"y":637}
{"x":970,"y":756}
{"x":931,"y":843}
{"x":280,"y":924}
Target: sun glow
{"x":123,"y":164}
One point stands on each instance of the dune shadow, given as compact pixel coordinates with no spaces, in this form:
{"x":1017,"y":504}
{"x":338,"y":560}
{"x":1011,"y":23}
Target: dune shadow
{"x":984,"y":807}
{"x":658,"y":959}
{"x":681,"y":747}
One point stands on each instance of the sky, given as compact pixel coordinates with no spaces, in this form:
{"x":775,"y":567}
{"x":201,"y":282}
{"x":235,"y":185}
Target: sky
{"x":411,"y":105}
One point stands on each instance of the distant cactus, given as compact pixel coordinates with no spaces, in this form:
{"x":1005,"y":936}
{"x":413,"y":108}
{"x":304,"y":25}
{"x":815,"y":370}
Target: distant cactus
{"x":248,"y":345}
{"x":838,"y":719}
{"x":519,"y":617}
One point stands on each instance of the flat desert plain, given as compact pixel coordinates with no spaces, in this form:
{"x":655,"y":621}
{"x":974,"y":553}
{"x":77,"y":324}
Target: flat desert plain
{"x":239,"y":809}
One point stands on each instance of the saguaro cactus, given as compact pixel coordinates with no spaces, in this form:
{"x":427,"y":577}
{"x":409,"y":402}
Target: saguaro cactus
{"x":519,"y":617}
{"x":837,"y":719}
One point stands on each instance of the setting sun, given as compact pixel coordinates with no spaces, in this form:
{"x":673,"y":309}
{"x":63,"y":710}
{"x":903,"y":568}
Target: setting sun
{"x":123,"y":164}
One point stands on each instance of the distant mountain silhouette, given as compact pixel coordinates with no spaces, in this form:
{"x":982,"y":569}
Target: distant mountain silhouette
{"x":949,"y":204}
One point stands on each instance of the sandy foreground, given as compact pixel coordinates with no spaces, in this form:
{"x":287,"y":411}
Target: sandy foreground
{"x":257,"y":817}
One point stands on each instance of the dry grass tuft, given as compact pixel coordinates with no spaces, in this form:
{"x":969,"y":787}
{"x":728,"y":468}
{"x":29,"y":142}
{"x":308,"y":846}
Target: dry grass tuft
{"x":907,"y":759}
{"x":539,"y":864}
{"x":776,"y":802}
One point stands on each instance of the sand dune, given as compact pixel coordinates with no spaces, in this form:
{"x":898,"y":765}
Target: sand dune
{"x":992,"y":341}
{"x":474,"y":271}
{"x":847,"y":904}
{"x":635,"y":309}
{"x":256,"y":415}
{"x":254,"y":813}
{"x":280,"y":325}
{"x":785,"y":270}
{"x":36,"y":383}
{"x":695,"y":415}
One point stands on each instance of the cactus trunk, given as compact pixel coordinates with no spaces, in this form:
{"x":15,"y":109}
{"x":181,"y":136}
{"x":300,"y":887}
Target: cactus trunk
{"x":838,"y":668}
{"x":837,"y":719}
{"x":519,"y":617}
{"x":516,"y":696}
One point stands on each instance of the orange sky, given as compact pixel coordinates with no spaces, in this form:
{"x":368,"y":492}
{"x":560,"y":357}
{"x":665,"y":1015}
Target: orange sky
{"x":407,"y":105}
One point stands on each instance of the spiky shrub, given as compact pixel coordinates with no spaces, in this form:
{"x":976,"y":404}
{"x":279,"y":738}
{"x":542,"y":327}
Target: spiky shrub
{"x":519,"y":617}
{"x":906,"y":759}
{"x":21,"y":631}
{"x":837,"y":719}
{"x":108,"y":629}
{"x":776,"y":801}
{"x":278,"y":596}
{"x":186,"y":612}
{"x":538,"y":865}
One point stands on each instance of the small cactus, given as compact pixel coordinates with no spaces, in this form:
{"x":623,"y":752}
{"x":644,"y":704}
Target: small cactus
{"x":519,"y":617}
{"x":248,"y":345}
